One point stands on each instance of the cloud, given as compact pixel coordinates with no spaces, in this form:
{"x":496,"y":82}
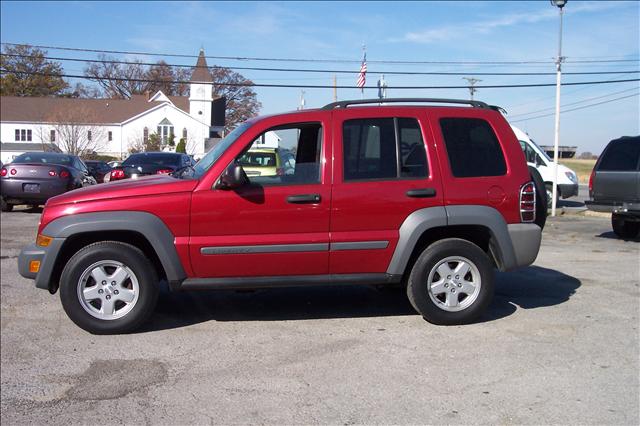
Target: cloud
{"x":452,"y":32}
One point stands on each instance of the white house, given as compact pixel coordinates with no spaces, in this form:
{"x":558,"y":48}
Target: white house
{"x":114,"y":126}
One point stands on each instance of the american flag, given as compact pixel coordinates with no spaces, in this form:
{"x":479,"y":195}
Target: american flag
{"x":362,"y":77}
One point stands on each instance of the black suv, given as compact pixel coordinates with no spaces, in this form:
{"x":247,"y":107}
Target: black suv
{"x":614,"y":185}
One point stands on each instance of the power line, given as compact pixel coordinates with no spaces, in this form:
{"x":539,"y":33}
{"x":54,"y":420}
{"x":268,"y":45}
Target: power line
{"x":319,"y":86}
{"x":575,"y":103}
{"x":576,"y":109}
{"x":250,"y":58}
{"x":113,"y":61}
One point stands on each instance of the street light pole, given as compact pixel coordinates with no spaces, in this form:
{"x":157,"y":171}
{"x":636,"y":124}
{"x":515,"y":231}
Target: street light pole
{"x":560,"y":4}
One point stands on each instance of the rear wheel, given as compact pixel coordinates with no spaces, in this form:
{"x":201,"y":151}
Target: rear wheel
{"x":451,"y":283}
{"x":6,"y":207}
{"x":541,"y":197}
{"x":624,"y":228}
{"x":109,"y":287}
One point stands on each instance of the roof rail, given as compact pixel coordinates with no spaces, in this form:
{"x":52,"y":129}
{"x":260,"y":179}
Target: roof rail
{"x":344,"y":104}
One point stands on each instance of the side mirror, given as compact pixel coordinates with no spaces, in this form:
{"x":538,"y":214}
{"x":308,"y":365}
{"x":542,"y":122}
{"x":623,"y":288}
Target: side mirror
{"x":233,"y":177}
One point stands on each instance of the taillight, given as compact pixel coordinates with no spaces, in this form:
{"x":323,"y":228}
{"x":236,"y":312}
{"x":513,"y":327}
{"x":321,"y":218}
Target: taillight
{"x":117,"y":174}
{"x":593,"y":172}
{"x":164,"y":171}
{"x":528,"y":202}
{"x":3,"y":172}
{"x":13,"y":171}
{"x":63,"y":174}
{"x":52,"y":173}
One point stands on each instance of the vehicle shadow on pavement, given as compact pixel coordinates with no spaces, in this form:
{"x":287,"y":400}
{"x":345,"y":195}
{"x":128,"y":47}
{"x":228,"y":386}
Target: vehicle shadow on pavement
{"x":612,"y":236}
{"x":529,"y":288}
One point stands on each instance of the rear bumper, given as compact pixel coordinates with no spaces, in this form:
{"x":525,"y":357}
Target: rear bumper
{"x":525,"y":238}
{"x":13,"y":192}
{"x":568,"y":189}
{"x":47,"y":258}
{"x":624,"y":208}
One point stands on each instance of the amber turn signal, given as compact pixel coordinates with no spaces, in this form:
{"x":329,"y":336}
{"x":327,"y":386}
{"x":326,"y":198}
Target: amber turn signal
{"x":34,"y":266}
{"x":43,"y":240}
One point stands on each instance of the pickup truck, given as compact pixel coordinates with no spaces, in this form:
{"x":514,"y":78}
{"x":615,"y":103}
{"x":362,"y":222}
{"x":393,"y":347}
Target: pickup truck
{"x":433,"y":198}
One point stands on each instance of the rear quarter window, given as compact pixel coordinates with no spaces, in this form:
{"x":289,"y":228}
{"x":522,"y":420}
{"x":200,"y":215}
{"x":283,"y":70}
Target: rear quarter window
{"x":621,"y":155}
{"x":472,"y":147}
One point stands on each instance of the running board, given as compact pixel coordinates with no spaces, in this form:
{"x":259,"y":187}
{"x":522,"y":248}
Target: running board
{"x":245,"y":283}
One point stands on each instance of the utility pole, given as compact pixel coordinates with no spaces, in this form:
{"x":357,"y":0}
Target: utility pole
{"x":560,"y":5}
{"x":335,"y":88}
{"x":472,"y":82}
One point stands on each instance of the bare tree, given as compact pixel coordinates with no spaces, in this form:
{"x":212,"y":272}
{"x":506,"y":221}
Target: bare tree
{"x":242,"y":101}
{"x":117,"y":80}
{"x":76,"y":130}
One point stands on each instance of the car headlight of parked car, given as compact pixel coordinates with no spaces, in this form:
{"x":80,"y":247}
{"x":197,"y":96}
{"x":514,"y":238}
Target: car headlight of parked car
{"x":572,"y":177}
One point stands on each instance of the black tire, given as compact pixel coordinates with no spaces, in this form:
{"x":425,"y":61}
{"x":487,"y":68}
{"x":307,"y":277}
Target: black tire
{"x":131,"y":257}
{"x":541,"y":197}
{"x":418,"y":287}
{"x":6,"y":207}
{"x":624,"y":228}
{"x":549,"y":195}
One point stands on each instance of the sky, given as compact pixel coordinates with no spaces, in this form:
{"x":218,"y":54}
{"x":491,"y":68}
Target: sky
{"x":391,"y":31}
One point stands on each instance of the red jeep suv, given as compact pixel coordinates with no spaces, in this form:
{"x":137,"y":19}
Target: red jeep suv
{"x":432,"y":197}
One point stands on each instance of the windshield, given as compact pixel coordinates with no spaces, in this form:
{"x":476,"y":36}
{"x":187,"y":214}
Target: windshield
{"x":212,"y":156}
{"x":544,"y":153}
{"x":154,"y":159}
{"x":43,"y":157}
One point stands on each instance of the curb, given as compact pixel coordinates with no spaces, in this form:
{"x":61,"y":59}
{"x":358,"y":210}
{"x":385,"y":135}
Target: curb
{"x":579,"y":211}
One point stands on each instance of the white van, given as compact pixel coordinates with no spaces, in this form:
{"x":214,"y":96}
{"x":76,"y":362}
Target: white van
{"x":536,"y":157}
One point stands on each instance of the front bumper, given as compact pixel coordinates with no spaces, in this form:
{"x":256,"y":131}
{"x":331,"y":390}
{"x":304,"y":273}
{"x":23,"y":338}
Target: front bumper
{"x":568,"y":189}
{"x":47,"y":258}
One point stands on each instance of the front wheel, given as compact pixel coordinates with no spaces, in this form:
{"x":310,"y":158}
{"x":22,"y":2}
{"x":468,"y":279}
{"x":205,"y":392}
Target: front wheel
{"x":109,"y":287}
{"x":451,"y":283}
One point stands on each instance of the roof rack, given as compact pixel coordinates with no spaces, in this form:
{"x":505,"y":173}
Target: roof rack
{"x":344,"y":104}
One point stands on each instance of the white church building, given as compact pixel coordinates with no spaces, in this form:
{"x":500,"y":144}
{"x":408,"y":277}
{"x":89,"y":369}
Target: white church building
{"x":115,"y":126}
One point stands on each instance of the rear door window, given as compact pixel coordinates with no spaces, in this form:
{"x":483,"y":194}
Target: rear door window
{"x":472,"y":147}
{"x":621,"y":155}
{"x":383,"y":148}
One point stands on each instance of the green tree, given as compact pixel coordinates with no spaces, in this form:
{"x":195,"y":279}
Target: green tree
{"x":153,"y":143}
{"x":182,"y":146}
{"x":17,"y":61}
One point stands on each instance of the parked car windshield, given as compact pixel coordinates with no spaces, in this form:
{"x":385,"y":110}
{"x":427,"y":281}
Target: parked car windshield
{"x":157,"y":159}
{"x":216,"y":152}
{"x":44,"y":157}
{"x":258,"y":159}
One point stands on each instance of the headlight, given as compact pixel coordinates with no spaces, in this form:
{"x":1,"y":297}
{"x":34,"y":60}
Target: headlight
{"x":572,"y":177}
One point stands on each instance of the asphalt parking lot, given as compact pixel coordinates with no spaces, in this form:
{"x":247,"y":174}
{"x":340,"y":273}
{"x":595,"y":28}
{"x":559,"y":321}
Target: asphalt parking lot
{"x":560,"y":344}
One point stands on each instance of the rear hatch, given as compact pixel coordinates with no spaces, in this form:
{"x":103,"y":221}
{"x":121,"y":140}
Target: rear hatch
{"x":617,"y":173}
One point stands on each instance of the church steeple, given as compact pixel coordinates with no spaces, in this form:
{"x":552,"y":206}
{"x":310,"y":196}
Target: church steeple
{"x":201,"y":72}
{"x":201,"y":91}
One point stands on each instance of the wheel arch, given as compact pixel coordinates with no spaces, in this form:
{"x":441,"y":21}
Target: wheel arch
{"x":140,"y":229}
{"x":481,"y":225}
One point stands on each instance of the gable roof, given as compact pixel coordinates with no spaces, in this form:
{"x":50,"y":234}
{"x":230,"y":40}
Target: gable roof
{"x":100,"y":111}
{"x":201,"y":72}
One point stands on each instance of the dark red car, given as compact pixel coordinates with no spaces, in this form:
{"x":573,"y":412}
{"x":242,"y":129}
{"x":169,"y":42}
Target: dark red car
{"x":432,"y":198}
{"x":34,"y":177}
